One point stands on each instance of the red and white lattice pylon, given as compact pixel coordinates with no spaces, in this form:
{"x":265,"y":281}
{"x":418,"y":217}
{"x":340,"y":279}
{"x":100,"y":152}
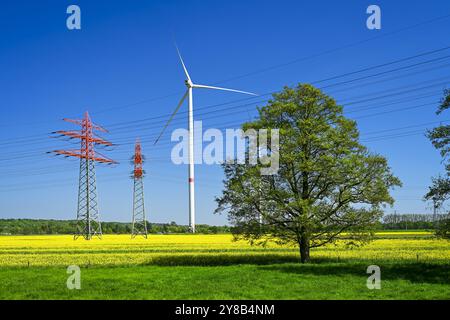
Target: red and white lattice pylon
{"x":139,"y":220}
{"x":88,"y":217}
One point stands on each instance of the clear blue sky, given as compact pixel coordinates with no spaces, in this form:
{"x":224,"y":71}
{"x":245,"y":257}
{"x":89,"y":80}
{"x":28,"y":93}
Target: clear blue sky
{"x":122,"y":66}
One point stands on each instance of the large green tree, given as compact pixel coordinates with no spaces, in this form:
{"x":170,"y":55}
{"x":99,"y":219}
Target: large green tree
{"x":439,"y":191}
{"x":328,"y":187}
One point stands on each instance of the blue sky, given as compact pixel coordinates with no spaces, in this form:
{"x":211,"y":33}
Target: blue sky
{"x":122,"y":66}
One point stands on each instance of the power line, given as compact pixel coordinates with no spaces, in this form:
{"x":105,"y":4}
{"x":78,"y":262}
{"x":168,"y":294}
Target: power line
{"x":28,"y":154}
{"x":199,"y":139}
{"x":320,"y":81}
{"x":238,"y":106}
{"x":387,"y":72}
{"x":314,"y":82}
{"x":364,"y":108}
{"x":313,"y":56}
{"x":326,"y":52}
{"x":125,"y":126}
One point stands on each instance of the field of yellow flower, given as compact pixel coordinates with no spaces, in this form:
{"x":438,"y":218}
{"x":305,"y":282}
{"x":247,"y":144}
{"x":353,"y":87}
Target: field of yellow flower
{"x":414,"y":265}
{"x":120,"y":250}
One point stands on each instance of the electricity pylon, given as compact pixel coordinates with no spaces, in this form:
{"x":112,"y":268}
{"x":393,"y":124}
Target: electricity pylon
{"x":88,"y":217}
{"x":139,"y":221}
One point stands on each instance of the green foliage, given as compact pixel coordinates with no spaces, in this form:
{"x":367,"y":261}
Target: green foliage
{"x":411,"y":221}
{"x":31,"y":226}
{"x":408,"y":225}
{"x":439,"y":191}
{"x":440,"y":138}
{"x":36,"y":227}
{"x":443,"y":229}
{"x":327,"y":184}
{"x":445,"y":102}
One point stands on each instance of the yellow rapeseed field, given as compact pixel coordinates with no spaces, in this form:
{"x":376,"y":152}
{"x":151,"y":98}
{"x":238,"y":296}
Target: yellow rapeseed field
{"x":62,"y":250}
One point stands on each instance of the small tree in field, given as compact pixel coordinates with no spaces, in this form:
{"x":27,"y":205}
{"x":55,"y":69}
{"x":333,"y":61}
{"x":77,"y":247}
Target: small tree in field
{"x":328,"y":187}
{"x":439,"y":191}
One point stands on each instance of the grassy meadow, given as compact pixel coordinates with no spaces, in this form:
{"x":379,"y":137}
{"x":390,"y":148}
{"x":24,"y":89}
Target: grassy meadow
{"x":414,"y":265}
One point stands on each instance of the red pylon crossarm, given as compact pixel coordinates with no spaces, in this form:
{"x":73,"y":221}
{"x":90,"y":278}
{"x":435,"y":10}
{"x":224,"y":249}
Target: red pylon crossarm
{"x":88,"y":140}
{"x":80,"y":135}
{"x":78,"y":154}
{"x":80,"y":123}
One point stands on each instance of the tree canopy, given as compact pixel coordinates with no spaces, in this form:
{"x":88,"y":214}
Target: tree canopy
{"x":34,"y":226}
{"x":439,"y":191}
{"x":328,"y":186}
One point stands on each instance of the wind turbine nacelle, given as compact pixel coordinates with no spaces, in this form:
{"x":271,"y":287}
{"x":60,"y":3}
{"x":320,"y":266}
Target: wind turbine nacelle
{"x":188,"y":83}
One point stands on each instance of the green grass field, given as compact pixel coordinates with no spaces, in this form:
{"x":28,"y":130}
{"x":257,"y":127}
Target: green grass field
{"x":413,"y":265}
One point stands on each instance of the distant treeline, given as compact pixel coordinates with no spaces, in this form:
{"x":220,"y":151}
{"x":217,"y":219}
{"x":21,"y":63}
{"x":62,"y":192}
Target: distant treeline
{"x":31,"y":226}
{"x":411,"y":221}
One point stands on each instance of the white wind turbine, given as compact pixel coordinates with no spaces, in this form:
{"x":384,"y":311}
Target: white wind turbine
{"x":190,"y":85}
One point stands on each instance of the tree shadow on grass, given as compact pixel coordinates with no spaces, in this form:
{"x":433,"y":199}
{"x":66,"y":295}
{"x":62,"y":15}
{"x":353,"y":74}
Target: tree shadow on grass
{"x":221,"y":260}
{"x":413,"y":272}
{"x":391,"y":270}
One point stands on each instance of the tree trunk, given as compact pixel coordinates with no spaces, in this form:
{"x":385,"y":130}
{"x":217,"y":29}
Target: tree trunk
{"x":304,"y":249}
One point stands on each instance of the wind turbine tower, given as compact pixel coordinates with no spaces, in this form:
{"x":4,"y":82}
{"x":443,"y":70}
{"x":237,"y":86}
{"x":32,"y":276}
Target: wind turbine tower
{"x":189,"y":94}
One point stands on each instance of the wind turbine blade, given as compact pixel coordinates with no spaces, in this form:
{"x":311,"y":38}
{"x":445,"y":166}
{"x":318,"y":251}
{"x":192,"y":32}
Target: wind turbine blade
{"x":182,"y":63}
{"x":171,"y":117}
{"x":223,"y":89}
